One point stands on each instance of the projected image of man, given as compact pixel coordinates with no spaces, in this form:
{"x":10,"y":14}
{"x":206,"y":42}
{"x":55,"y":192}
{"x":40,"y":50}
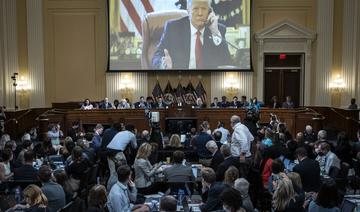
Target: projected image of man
{"x":193,"y":42}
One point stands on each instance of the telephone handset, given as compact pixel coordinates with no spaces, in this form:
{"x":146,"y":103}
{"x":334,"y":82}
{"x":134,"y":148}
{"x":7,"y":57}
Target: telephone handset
{"x":208,"y":19}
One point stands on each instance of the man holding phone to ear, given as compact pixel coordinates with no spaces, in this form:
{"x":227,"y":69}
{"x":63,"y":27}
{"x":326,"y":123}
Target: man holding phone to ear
{"x":193,"y":42}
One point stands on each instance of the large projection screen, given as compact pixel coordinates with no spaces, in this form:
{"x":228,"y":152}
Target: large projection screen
{"x":151,"y":35}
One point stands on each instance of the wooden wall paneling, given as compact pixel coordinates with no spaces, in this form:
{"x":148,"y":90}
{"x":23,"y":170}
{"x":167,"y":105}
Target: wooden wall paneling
{"x":75,"y":49}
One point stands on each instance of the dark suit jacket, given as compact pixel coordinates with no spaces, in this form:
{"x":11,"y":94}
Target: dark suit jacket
{"x":25,"y":172}
{"x":137,"y":105}
{"x":225,"y":104}
{"x":230,"y":161}
{"x":236,"y":104}
{"x":211,"y":197}
{"x":157,"y":105}
{"x":103,"y":105}
{"x":178,"y":173}
{"x":217,"y":104}
{"x":216,"y":160}
{"x":176,"y":39}
{"x":309,"y":172}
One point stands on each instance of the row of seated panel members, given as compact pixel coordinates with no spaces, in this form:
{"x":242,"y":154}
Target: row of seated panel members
{"x":276,"y":154}
{"x":159,"y":103}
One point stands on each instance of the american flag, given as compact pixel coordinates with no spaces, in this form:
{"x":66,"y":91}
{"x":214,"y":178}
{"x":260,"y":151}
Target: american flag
{"x":132,"y":12}
{"x":200,"y":92}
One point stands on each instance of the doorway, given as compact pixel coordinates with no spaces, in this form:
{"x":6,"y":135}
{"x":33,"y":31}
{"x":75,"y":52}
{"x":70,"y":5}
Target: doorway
{"x":283,"y":75}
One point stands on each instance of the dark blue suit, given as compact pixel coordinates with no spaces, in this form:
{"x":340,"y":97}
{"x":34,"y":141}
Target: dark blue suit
{"x":176,"y":38}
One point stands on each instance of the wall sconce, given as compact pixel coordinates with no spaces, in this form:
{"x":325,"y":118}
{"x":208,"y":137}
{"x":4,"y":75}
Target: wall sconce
{"x":22,"y":85}
{"x":338,"y":85}
{"x":126,"y":85}
{"x":231,"y":85}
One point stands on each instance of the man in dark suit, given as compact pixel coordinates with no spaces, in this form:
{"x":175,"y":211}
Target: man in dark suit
{"x":217,"y":157}
{"x":141,"y":103}
{"x":309,"y":171}
{"x":288,"y":103}
{"x":235,"y":103}
{"x":224,"y":103}
{"x":228,"y":161}
{"x":160,"y":103}
{"x":105,"y":104}
{"x":215,"y":103}
{"x":211,"y":190}
{"x":193,"y":42}
{"x":26,"y":171}
{"x":178,"y":172}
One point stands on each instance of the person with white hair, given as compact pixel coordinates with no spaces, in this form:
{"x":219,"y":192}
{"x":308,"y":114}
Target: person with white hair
{"x":4,"y":138}
{"x":309,"y":134}
{"x":217,"y":157}
{"x":241,"y":138}
{"x":202,"y":45}
{"x":322,"y":135}
{"x":242,"y":185}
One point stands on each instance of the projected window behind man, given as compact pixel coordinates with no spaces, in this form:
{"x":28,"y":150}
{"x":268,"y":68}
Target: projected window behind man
{"x":214,"y":35}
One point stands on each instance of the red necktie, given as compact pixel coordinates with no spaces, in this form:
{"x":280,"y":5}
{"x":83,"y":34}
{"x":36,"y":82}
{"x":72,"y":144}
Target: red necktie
{"x":198,"y":53}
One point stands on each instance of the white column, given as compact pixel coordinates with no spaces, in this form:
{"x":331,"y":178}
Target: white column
{"x":349,"y":57}
{"x":324,"y":51}
{"x":113,"y":84}
{"x":35,"y":53}
{"x":141,"y":84}
{"x":8,"y":48}
{"x":218,"y":81}
{"x":217,"y":84}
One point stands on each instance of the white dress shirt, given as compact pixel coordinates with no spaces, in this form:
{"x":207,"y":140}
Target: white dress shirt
{"x":224,"y":134}
{"x":121,"y":140}
{"x":216,"y":39}
{"x":241,"y":141}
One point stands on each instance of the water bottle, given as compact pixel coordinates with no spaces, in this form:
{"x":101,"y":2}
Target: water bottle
{"x":17,"y":195}
{"x":181,"y":194}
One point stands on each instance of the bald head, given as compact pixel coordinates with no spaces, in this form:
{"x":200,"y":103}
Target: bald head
{"x":234,"y":120}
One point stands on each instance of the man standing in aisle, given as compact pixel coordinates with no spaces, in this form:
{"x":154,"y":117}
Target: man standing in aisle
{"x":241,"y":139}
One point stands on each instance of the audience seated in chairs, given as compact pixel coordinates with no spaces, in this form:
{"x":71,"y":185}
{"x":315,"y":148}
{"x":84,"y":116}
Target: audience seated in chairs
{"x":211,"y":190}
{"x":200,"y":145}
{"x":242,"y":185}
{"x":35,"y":200}
{"x":27,"y":145}
{"x":54,"y":192}
{"x":231,"y":174}
{"x":174,"y":143}
{"x":62,"y":179}
{"x":26,"y":171}
{"x":328,"y":161}
{"x":97,"y":199}
{"x":76,"y":168}
{"x":228,"y":161}
{"x":327,"y":199}
{"x":231,"y":200}
{"x":5,"y":167}
{"x":144,"y":171}
{"x":122,"y":194}
{"x":178,"y":174}
{"x":217,"y":157}
{"x":168,"y":203}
